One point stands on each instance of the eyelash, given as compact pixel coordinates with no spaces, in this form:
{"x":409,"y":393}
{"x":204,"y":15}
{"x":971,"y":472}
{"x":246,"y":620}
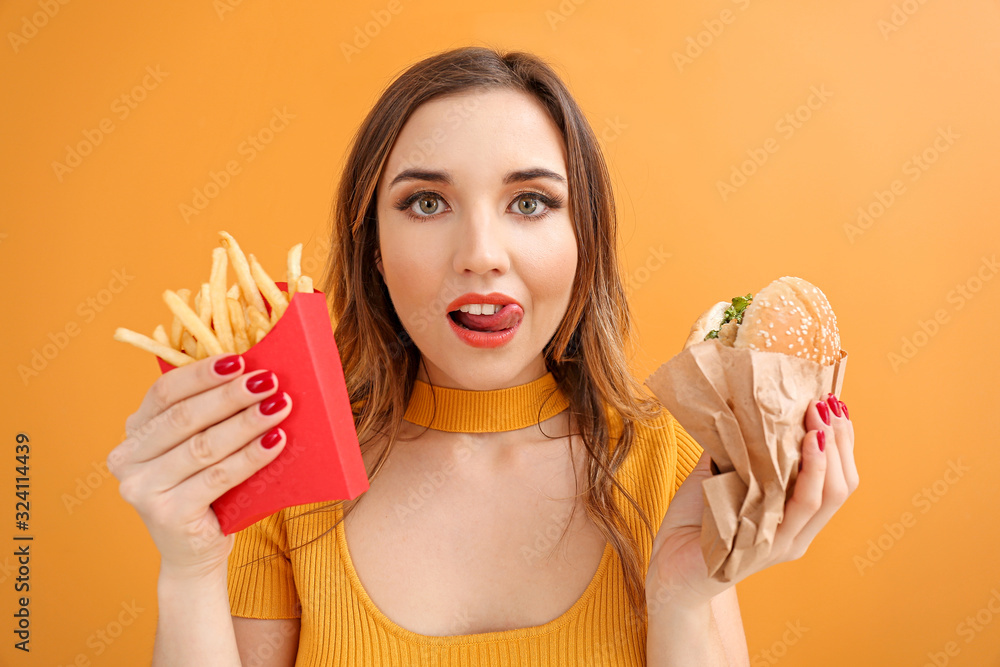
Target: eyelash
{"x":552,"y":203}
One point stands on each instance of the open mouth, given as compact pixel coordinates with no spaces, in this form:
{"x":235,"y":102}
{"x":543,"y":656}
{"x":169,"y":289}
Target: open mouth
{"x":504,"y":319}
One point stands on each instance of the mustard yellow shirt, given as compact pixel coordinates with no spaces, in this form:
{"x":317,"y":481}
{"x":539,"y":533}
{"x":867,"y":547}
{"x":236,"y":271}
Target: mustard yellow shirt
{"x":340,"y":625}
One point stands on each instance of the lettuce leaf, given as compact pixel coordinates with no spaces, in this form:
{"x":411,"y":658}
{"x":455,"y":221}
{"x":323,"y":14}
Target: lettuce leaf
{"x":734,"y":312}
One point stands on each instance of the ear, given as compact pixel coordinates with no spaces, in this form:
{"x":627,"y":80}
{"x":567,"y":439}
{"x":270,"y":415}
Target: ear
{"x":378,"y":263}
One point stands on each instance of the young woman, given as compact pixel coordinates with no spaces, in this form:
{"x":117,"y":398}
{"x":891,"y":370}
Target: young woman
{"x":526,"y":502}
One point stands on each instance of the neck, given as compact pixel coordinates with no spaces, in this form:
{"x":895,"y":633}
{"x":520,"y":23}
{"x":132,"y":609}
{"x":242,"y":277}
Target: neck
{"x":489,"y":451}
{"x":522,"y":410}
{"x":438,"y":378}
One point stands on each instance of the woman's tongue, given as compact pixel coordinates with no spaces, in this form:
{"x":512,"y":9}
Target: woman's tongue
{"x":504,"y":319}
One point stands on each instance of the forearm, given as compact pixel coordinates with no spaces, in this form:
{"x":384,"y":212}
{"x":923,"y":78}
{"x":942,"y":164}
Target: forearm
{"x":678,"y":636}
{"x":195,"y":625}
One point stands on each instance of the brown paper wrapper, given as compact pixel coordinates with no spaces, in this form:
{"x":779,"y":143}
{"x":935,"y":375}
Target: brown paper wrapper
{"x":746,"y":409}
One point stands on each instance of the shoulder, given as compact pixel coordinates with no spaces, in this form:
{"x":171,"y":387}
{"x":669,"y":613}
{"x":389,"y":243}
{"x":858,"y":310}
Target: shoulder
{"x":663,"y":453}
{"x":650,"y":434}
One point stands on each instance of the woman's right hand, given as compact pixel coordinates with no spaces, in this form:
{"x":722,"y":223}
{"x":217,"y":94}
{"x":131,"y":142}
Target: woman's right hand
{"x":201,"y":430}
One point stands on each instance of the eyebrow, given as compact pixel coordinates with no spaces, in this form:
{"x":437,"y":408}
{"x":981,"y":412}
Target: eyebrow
{"x":444,"y":177}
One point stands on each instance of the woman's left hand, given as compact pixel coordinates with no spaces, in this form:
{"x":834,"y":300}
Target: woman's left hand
{"x":677,"y":569}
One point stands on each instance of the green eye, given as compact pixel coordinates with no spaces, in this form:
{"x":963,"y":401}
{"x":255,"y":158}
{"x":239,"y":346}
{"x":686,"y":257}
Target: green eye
{"x":527,"y":205}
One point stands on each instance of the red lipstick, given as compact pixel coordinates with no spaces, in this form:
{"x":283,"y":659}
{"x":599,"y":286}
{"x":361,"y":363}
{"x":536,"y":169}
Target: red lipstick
{"x":489,"y":330}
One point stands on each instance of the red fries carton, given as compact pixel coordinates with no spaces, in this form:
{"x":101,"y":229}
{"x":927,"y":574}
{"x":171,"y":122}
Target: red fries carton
{"x":321,"y":460}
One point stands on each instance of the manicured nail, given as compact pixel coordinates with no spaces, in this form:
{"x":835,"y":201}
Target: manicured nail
{"x":824,"y":412}
{"x":258,"y":384}
{"x":273,"y":404}
{"x":834,"y":405}
{"x":821,"y":440}
{"x":846,"y":413}
{"x":228,"y":365}
{"x":272,"y":438}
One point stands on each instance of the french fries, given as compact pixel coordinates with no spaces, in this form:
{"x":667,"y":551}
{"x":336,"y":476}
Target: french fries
{"x":294,"y":271}
{"x":240,"y":333}
{"x":220,"y":309}
{"x":168,"y":354}
{"x":177,"y":327}
{"x":242,"y":270}
{"x":274,"y":296}
{"x":220,"y":319}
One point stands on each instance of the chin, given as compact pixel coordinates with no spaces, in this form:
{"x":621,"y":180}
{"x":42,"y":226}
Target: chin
{"x":497,"y":372}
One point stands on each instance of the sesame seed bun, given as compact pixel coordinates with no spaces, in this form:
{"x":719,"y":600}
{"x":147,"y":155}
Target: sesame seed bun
{"x":791,"y":316}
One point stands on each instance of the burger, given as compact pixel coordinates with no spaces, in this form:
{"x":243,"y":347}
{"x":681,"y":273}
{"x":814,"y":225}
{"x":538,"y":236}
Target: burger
{"x":791,"y":316}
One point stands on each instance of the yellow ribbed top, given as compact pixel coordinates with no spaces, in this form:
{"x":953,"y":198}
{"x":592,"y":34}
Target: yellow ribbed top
{"x":469,"y":411}
{"x":340,"y":625}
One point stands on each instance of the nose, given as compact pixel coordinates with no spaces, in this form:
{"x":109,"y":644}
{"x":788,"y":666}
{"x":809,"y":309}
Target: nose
{"x":481,"y":245}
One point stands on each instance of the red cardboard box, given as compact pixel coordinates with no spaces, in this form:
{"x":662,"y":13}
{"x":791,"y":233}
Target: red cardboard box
{"x":321,"y":460}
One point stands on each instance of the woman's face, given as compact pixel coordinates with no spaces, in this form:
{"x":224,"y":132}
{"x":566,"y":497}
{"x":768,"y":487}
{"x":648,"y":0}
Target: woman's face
{"x":476,"y":221}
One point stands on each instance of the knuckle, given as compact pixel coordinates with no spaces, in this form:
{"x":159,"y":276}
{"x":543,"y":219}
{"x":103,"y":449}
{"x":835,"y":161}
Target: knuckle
{"x":218,"y":477}
{"x":251,"y":417}
{"x":200,"y":447}
{"x":136,"y":429}
{"x":129,"y":490}
{"x":160,"y":394}
{"x":233,"y":391}
{"x":838,"y":493}
{"x":130,"y":422}
{"x":853,"y":483}
{"x":114,"y":456}
{"x":257,"y":457}
{"x":179,"y":416}
{"x":813,"y":503}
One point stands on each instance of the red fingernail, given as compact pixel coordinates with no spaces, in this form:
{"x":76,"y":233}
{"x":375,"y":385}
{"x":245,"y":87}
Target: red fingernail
{"x":821,"y":440}
{"x":834,"y":405}
{"x":824,"y":412}
{"x":228,"y":365}
{"x":272,"y":438}
{"x":846,"y":413}
{"x":258,"y":384}
{"x":274,"y":404}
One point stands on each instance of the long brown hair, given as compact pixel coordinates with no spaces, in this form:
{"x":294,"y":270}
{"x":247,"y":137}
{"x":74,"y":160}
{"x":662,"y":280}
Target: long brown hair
{"x":587,"y":355}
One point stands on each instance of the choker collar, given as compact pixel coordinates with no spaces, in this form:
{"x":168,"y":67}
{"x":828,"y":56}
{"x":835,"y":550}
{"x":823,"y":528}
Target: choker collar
{"x":472,"y":411}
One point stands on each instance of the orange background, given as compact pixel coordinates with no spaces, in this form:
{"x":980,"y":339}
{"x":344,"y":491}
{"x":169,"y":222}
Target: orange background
{"x":893,"y":75}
